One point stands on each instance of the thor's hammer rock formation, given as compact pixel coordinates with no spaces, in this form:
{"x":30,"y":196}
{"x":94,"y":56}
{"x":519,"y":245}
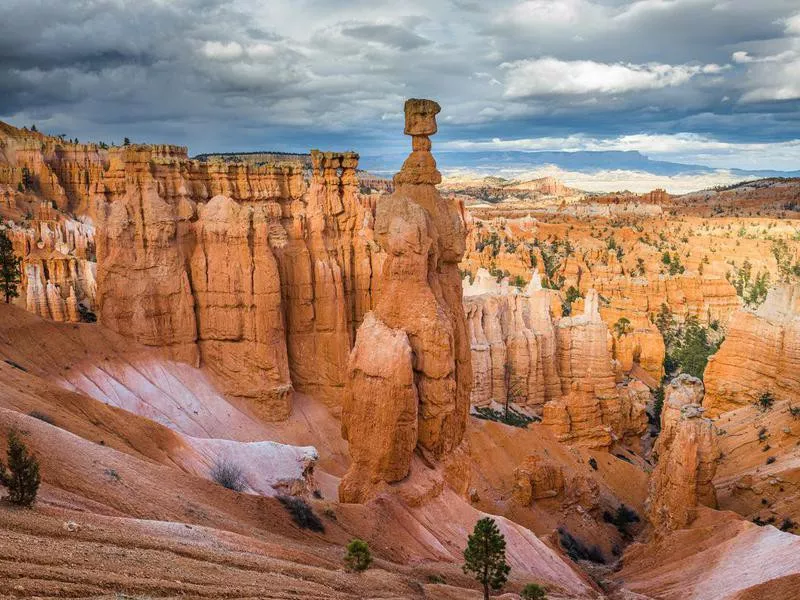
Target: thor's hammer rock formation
{"x":410,"y":370}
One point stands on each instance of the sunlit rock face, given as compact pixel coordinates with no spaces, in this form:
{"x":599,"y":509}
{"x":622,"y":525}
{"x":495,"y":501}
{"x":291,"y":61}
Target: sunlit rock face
{"x":261,"y":273}
{"x":524,"y":351}
{"x":688,"y":454}
{"x":513,"y":340}
{"x":264,"y":282}
{"x":410,"y":370}
{"x":760,"y":354}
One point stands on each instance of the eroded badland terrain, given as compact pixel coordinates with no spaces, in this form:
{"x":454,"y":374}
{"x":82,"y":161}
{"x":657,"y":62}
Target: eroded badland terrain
{"x":612,"y":377}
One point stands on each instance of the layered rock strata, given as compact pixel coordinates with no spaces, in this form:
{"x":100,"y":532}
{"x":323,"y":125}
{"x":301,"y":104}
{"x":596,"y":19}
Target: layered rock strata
{"x":514,"y":342}
{"x":297,"y":242}
{"x":760,"y":354}
{"x":707,"y":298}
{"x":592,"y":409}
{"x":58,"y":268}
{"x":328,"y":261}
{"x":524,"y":352}
{"x":265,"y":274}
{"x":410,"y":371}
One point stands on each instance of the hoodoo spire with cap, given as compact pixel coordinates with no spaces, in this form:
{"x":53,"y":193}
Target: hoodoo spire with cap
{"x":420,"y":166}
{"x":410,"y":371}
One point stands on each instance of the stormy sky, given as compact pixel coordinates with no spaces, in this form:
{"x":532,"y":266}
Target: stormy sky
{"x":714,"y":82}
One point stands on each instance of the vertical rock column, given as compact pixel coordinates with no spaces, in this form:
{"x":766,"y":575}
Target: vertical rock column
{"x":326,"y":273}
{"x":410,"y":371}
{"x":237,"y":291}
{"x":687,"y":458}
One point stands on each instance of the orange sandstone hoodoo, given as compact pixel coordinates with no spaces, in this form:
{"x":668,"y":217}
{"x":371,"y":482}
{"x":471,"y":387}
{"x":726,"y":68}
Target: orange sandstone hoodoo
{"x":410,"y":371}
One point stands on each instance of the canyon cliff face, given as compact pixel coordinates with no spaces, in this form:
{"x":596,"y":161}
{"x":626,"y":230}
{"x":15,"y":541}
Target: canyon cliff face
{"x":592,"y":410}
{"x":707,"y":298}
{"x":58,"y":268}
{"x":277,"y":274}
{"x":260,"y":273}
{"x":410,"y":371}
{"x":328,"y":265}
{"x":60,"y":172}
{"x":44,"y":183}
{"x":525,"y":352}
{"x":688,"y":454}
{"x":760,"y":354}
{"x":514,"y":342}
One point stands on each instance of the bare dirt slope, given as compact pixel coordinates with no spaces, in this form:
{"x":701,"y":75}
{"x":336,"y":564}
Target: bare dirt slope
{"x":127,"y":505}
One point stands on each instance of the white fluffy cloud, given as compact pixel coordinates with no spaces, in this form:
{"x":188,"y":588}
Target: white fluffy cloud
{"x":223,"y":50}
{"x":544,"y":14}
{"x":550,"y":76}
{"x":771,"y":77}
{"x":779,"y":81}
{"x":793,"y":25}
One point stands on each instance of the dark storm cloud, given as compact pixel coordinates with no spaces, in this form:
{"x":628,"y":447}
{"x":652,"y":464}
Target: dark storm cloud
{"x":698,"y":76}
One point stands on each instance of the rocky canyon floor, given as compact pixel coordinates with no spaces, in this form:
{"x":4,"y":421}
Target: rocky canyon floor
{"x":612,"y":377}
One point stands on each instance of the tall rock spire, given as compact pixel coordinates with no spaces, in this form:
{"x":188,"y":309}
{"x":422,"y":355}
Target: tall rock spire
{"x":410,"y":371}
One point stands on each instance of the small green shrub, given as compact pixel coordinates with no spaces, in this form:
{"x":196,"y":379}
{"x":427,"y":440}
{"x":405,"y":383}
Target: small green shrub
{"x":658,"y":405}
{"x":112,"y":475}
{"x":358,"y":557}
{"x":571,"y":296}
{"x":302,"y":514}
{"x":621,"y":518}
{"x":577,"y":550}
{"x":86,"y":315}
{"x":622,"y":327}
{"x":514,"y":417}
{"x":765,"y":401}
{"x":533,"y":591}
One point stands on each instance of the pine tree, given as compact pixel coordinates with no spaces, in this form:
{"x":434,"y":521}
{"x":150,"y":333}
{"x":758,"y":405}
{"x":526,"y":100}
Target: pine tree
{"x":485,"y":556}
{"x":10,"y":273}
{"x":27,"y":178}
{"x":21,"y":477}
{"x":358,"y":557}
